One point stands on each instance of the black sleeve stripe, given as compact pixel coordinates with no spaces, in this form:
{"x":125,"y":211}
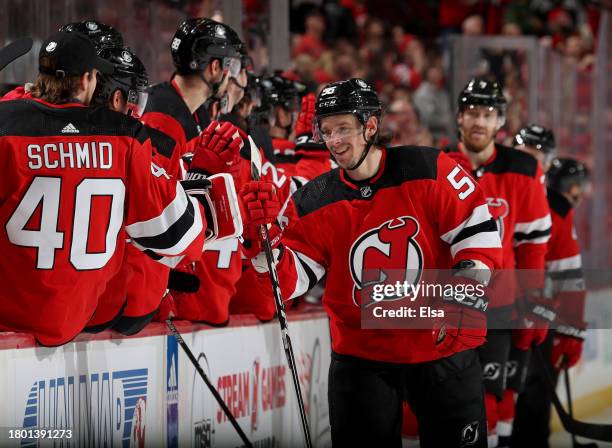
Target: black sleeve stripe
{"x":520,"y":236}
{"x":467,"y":232}
{"x":312,"y":277}
{"x":567,"y":274}
{"x":173,"y":234}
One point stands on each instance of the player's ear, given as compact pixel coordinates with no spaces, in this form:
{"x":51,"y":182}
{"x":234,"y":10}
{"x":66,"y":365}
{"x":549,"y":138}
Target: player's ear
{"x":459,"y":119}
{"x":371,"y":127}
{"x":501,"y":120}
{"x":117,"y":100}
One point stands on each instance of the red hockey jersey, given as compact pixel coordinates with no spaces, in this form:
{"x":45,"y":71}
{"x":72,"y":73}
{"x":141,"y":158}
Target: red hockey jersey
{"x":513,"y":183}
{"x":79,"y":181}
{"x":565,"y":281}
{"x":420,"y":211}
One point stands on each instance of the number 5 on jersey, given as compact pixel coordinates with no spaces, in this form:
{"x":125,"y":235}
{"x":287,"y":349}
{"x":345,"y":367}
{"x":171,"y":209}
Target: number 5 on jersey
{"x":463,"y":181}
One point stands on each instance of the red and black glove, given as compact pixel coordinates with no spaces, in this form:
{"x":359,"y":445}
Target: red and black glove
{"x":567,"y":345}
{"x":535,"y":316}
{"x":261,"y":207}
{"x":464,"y":325}
{"x":303,"y":127}
{"x":303,"y":124}
{"x":217,"y":151}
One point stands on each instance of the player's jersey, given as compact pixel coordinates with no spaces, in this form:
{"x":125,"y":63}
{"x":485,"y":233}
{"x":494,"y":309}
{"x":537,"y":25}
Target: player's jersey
{"x":166,"y":111}
{"x":420,"y":211}
{"x":300,"y":161}
{"x":513,"y":183}
{"x":565,"y":281}
{"x":79,"y":182}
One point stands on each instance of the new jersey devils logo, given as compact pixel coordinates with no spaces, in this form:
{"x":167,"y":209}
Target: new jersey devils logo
{"x":499,"y":209}
{"x":385,"y":255}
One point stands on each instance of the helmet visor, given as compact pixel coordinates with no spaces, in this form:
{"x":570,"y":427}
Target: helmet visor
{"x":137,"y":102}
{"x":232,"y":65}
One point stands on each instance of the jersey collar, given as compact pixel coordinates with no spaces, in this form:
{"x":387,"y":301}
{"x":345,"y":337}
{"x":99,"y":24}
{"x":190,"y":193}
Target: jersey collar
{"x":360,"y":184}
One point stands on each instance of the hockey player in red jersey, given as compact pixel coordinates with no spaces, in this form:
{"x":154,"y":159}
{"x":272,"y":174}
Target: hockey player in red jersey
{"x":513,"y":183}
{"x":538,"y":142}
{"x":417,"y":201}
{"x":83,"y":182}
{"x":205,"y":55}
{"x":568,"y":181}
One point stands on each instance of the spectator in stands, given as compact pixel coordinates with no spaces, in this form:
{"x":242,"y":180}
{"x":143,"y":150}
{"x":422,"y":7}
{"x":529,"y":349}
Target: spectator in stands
{"x":472,"y":26}
{"x":311,"y":42}
{"x":403,"y":122}
{"x":432,"y":103}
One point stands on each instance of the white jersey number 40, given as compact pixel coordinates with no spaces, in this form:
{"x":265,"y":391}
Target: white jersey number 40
{"x":463,"y":181}
{"x":45,"y":192}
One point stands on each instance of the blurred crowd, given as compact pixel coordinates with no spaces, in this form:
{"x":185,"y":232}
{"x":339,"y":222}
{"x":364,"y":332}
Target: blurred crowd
{"x":403,"y":50}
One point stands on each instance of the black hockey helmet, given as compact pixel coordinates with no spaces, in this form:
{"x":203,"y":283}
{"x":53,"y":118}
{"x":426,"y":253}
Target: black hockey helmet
{"x":102,"y":35}
{"x":130,"y":77}
{"x":537,"y":137}
{"x":565,"y":172}
{"x":277,"y":90}
{"x":354,"y":96}
{"x":198,"y":41}
{"x":482,"y":92}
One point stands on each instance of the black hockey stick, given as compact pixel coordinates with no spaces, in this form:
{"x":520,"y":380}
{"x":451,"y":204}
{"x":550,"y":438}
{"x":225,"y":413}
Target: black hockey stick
{"x":278,"y":300}
{"x":213,"y":391}
{"x":595,"y":431}
{"x":14,"y":50}
{"x":568,"y":393}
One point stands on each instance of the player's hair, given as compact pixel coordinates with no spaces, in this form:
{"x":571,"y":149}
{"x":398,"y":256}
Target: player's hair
{"x":56,"y":90}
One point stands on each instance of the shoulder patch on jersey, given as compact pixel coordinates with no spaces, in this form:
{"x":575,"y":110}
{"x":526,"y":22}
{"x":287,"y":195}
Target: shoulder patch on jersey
{"x":510,"y":160}
{"x":558,"y":203}
{"x":163,"y":143}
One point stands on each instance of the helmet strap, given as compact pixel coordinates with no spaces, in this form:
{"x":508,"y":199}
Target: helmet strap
{"x":364,"y":154}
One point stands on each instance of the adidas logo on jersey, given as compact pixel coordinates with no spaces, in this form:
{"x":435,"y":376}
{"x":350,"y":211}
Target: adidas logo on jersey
{"x":70,"y":129}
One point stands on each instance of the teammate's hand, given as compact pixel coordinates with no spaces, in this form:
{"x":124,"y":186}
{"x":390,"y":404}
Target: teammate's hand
{"x":566,"y":351}
{"x":536,"y":316}
{"x":464,"y":325}
{"x":217,"y":150}
{"x":303,"y":124}
{"x":261,"y":206}
{"x":167,"y":308}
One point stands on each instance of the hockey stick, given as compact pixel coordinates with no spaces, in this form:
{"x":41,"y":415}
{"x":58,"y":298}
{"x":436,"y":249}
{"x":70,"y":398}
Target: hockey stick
{"x":278,"y":300}
{"x":14,"y":50}
{"x":575,"y":442}
{"x":213,"y":391}
{"x":593,"y":431}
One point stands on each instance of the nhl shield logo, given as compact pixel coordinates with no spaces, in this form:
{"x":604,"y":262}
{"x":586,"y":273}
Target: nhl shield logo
{"x":383,"y":256}
{"x":51,"y":46}
{"x":366,"y":191}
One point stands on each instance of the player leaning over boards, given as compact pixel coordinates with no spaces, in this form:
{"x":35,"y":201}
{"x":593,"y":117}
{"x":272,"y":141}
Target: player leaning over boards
{"x":82,"y":181}
{"x":407,"y":196}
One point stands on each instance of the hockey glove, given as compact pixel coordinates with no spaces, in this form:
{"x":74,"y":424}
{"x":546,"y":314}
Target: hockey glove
{"x":566,"y":350}
{"x":536,"y":315}
{"x":218,"y":197}
{"x":303,"y":124}
{"x":464,"y":325}
{"x":261,"y":207}
{"x":216,"y":150}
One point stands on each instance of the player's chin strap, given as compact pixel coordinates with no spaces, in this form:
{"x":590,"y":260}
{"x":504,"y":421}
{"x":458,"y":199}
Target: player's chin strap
{"x":369,"y":144}
{"x":213,"y":86}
